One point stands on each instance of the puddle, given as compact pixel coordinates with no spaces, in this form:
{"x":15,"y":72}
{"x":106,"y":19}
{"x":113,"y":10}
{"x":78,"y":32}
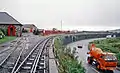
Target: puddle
{"x":5,"y":45}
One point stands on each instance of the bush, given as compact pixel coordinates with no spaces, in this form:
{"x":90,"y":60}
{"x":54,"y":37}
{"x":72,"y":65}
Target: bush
{"x":68,"y":62}
{"x":4,"y":31}
{"x":118,"y":57}
{"x":112,"y":40}
{"x":116,"y":45}
{"x":1,"y":35}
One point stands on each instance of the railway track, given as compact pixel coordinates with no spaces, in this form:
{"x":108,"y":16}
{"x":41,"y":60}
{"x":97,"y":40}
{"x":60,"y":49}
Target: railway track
{"x":6,"y":52}
{"x":10,"y":48}
{"x":35,"y":61}
{"x":9,"y":61}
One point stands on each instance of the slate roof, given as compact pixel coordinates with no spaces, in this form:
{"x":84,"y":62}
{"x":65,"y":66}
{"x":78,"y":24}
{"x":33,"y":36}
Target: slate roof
{"x":29,"y":26}
{"x":5,"y":18}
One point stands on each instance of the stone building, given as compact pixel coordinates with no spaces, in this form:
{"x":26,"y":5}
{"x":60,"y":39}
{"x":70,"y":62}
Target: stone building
{"x":10,"y":25}
{"x":29,"y":27}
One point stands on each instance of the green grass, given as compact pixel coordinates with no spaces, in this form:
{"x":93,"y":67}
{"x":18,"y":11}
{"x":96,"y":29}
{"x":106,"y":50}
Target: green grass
{"x":7,"y":39}
{"x":109,"y":45}
{"x":68,"y":63}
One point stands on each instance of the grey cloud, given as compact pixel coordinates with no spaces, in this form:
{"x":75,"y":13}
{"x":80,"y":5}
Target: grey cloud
{"x":77,"y":13}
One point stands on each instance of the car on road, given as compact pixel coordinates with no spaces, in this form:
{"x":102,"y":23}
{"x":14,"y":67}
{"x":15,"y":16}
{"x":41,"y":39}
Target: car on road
{"x":79,"y":46}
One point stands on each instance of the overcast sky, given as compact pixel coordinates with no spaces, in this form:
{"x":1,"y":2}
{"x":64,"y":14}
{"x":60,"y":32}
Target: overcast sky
{"x":76,"y":14}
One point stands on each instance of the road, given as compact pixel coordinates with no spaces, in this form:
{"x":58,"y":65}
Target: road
{"x":82,"y":53}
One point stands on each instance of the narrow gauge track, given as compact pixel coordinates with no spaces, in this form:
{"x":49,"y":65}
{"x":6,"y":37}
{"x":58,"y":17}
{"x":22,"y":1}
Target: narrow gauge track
{"x":13,"y":43}
{"x":30,"y":63}
{"x":5,"y":52}
{"x":8,"y":62}
{"x":42,"y":63}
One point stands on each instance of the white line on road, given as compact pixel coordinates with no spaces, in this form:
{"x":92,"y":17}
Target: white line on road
{"x":95,"y":70}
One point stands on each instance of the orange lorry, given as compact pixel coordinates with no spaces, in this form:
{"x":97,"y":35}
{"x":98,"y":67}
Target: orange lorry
{"x":102,"y":60}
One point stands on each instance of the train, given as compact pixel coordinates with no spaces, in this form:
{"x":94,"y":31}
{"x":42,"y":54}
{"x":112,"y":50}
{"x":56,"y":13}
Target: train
{"x":49,"y":32}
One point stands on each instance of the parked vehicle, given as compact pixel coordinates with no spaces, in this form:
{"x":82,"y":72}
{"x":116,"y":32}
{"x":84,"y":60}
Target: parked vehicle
{"x":79,"y":46}
{"x":102,"y":60}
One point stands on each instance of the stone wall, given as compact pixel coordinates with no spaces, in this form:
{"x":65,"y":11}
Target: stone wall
{"x":3,"y":26}
{"x":73,"y":38}
{"x":18,"y":28}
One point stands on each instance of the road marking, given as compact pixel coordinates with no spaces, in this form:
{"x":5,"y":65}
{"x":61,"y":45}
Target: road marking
{"x":95,"y":70}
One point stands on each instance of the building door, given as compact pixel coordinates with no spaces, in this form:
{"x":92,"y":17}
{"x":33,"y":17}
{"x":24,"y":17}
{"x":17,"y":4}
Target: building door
{"x":11,"y":30}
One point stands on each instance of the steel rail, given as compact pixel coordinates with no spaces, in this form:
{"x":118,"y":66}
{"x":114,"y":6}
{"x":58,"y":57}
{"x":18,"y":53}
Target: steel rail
{"x":38,"y":57}
{"x":17,"y":61}
{"x":10,"y":53}
{"x":35,"y":47}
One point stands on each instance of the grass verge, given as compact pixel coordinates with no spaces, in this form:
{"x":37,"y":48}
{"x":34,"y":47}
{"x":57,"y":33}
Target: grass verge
{"x":68,"y":62}
{"x":6,"y":39}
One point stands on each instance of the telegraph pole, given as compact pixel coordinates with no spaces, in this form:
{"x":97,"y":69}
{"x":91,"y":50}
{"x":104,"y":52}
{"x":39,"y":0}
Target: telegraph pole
{"x":61,"y":25}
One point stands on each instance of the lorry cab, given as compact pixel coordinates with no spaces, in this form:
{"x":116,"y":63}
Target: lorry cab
{"x":108,"y":61}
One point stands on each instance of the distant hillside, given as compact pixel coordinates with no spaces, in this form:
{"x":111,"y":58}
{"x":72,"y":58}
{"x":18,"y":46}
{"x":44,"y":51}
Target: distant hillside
{"x":116,"y":30}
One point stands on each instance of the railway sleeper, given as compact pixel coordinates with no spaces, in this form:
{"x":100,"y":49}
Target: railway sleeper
{"x":26,"y":67}
{"x":40,"y":67}
{"x":12,"y":63}
{"x":33,"y":56}
{"x":11,"y":67}
{"x":31,"y":59}
{"x":29,"y":63}
{"x":35,"y":53}
{"x":40,"y":71}
{"x":42,"y":61}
